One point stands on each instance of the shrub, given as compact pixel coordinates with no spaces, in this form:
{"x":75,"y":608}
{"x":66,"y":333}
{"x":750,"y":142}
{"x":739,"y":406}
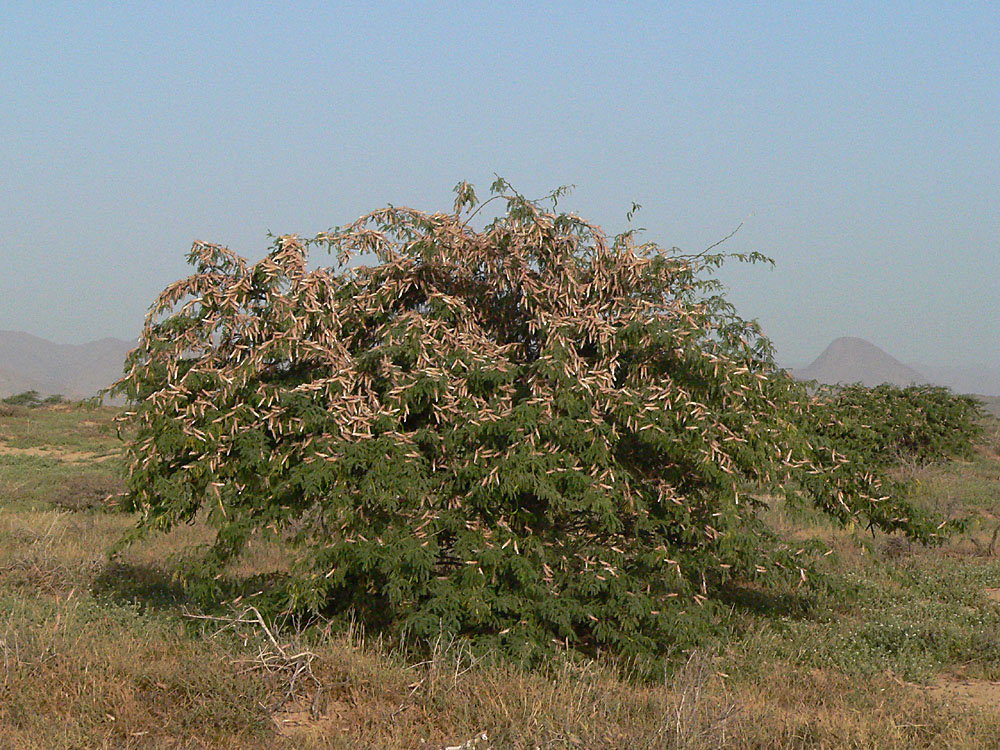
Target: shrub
{"x":25,"y":398}
{"x":525,"y":434}
{"x":884,"y":425}
{"x":92,"y":491}
{"x":8,"y":410}
{"x":32,"y":399}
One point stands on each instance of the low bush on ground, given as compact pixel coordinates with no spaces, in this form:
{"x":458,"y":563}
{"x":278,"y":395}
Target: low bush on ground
{"x":88,"y":491}
{"x":32,"y":399}
{"x":9,"y":410}
{"x":887,"y":424}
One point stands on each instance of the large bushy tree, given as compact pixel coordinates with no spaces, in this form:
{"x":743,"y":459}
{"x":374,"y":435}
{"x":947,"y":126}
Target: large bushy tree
{"x":529,"y":432}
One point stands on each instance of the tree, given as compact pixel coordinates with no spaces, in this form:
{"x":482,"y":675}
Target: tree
{"x":522,"y":434}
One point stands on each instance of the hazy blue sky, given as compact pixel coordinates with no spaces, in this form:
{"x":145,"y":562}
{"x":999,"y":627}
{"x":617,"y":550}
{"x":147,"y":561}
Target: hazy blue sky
{"x":859,"y":142}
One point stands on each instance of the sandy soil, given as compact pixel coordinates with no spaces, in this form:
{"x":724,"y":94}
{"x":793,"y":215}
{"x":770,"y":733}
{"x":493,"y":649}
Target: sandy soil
{"x":48,"y":452}
{"x":973,"y":693}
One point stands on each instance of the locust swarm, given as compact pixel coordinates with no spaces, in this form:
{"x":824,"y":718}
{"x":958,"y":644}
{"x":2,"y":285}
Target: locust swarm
{"x":527,"y":433}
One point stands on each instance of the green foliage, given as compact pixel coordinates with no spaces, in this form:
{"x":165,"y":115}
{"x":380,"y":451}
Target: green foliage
{"x":528,"y":434}
{"x":857,"y":433}
{"x":888,"y":424}
{"x":26,"y":398}
{"x":33,"y":399}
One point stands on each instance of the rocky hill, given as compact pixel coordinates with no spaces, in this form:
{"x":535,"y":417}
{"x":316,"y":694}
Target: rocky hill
{"x":854,"y":360}
{"x":29,"y":363}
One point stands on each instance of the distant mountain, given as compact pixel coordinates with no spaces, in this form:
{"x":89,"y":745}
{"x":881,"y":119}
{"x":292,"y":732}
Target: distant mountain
{"x":854,"y":360}
{"x":13,"y":382}
{"x":29,"y":363}
{"x":984,"y":380}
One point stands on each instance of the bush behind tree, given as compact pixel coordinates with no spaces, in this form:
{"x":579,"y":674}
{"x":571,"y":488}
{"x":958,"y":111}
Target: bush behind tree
{"x":33,"y":399}
{"x":527,"y":434}
{"x":887,"y":424}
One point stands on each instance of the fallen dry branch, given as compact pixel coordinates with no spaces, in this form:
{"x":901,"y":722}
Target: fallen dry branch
{"x":290,"y":663}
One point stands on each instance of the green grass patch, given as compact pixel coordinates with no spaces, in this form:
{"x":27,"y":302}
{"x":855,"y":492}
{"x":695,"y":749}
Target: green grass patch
{"x":37,"y":482}
{"x":64,"y":427}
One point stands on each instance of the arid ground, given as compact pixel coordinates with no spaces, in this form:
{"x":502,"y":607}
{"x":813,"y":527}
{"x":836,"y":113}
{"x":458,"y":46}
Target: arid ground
{"x":898,"y":648}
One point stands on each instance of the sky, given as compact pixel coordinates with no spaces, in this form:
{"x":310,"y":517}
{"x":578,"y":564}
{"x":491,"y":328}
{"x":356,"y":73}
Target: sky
{"x":856,"y":143}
